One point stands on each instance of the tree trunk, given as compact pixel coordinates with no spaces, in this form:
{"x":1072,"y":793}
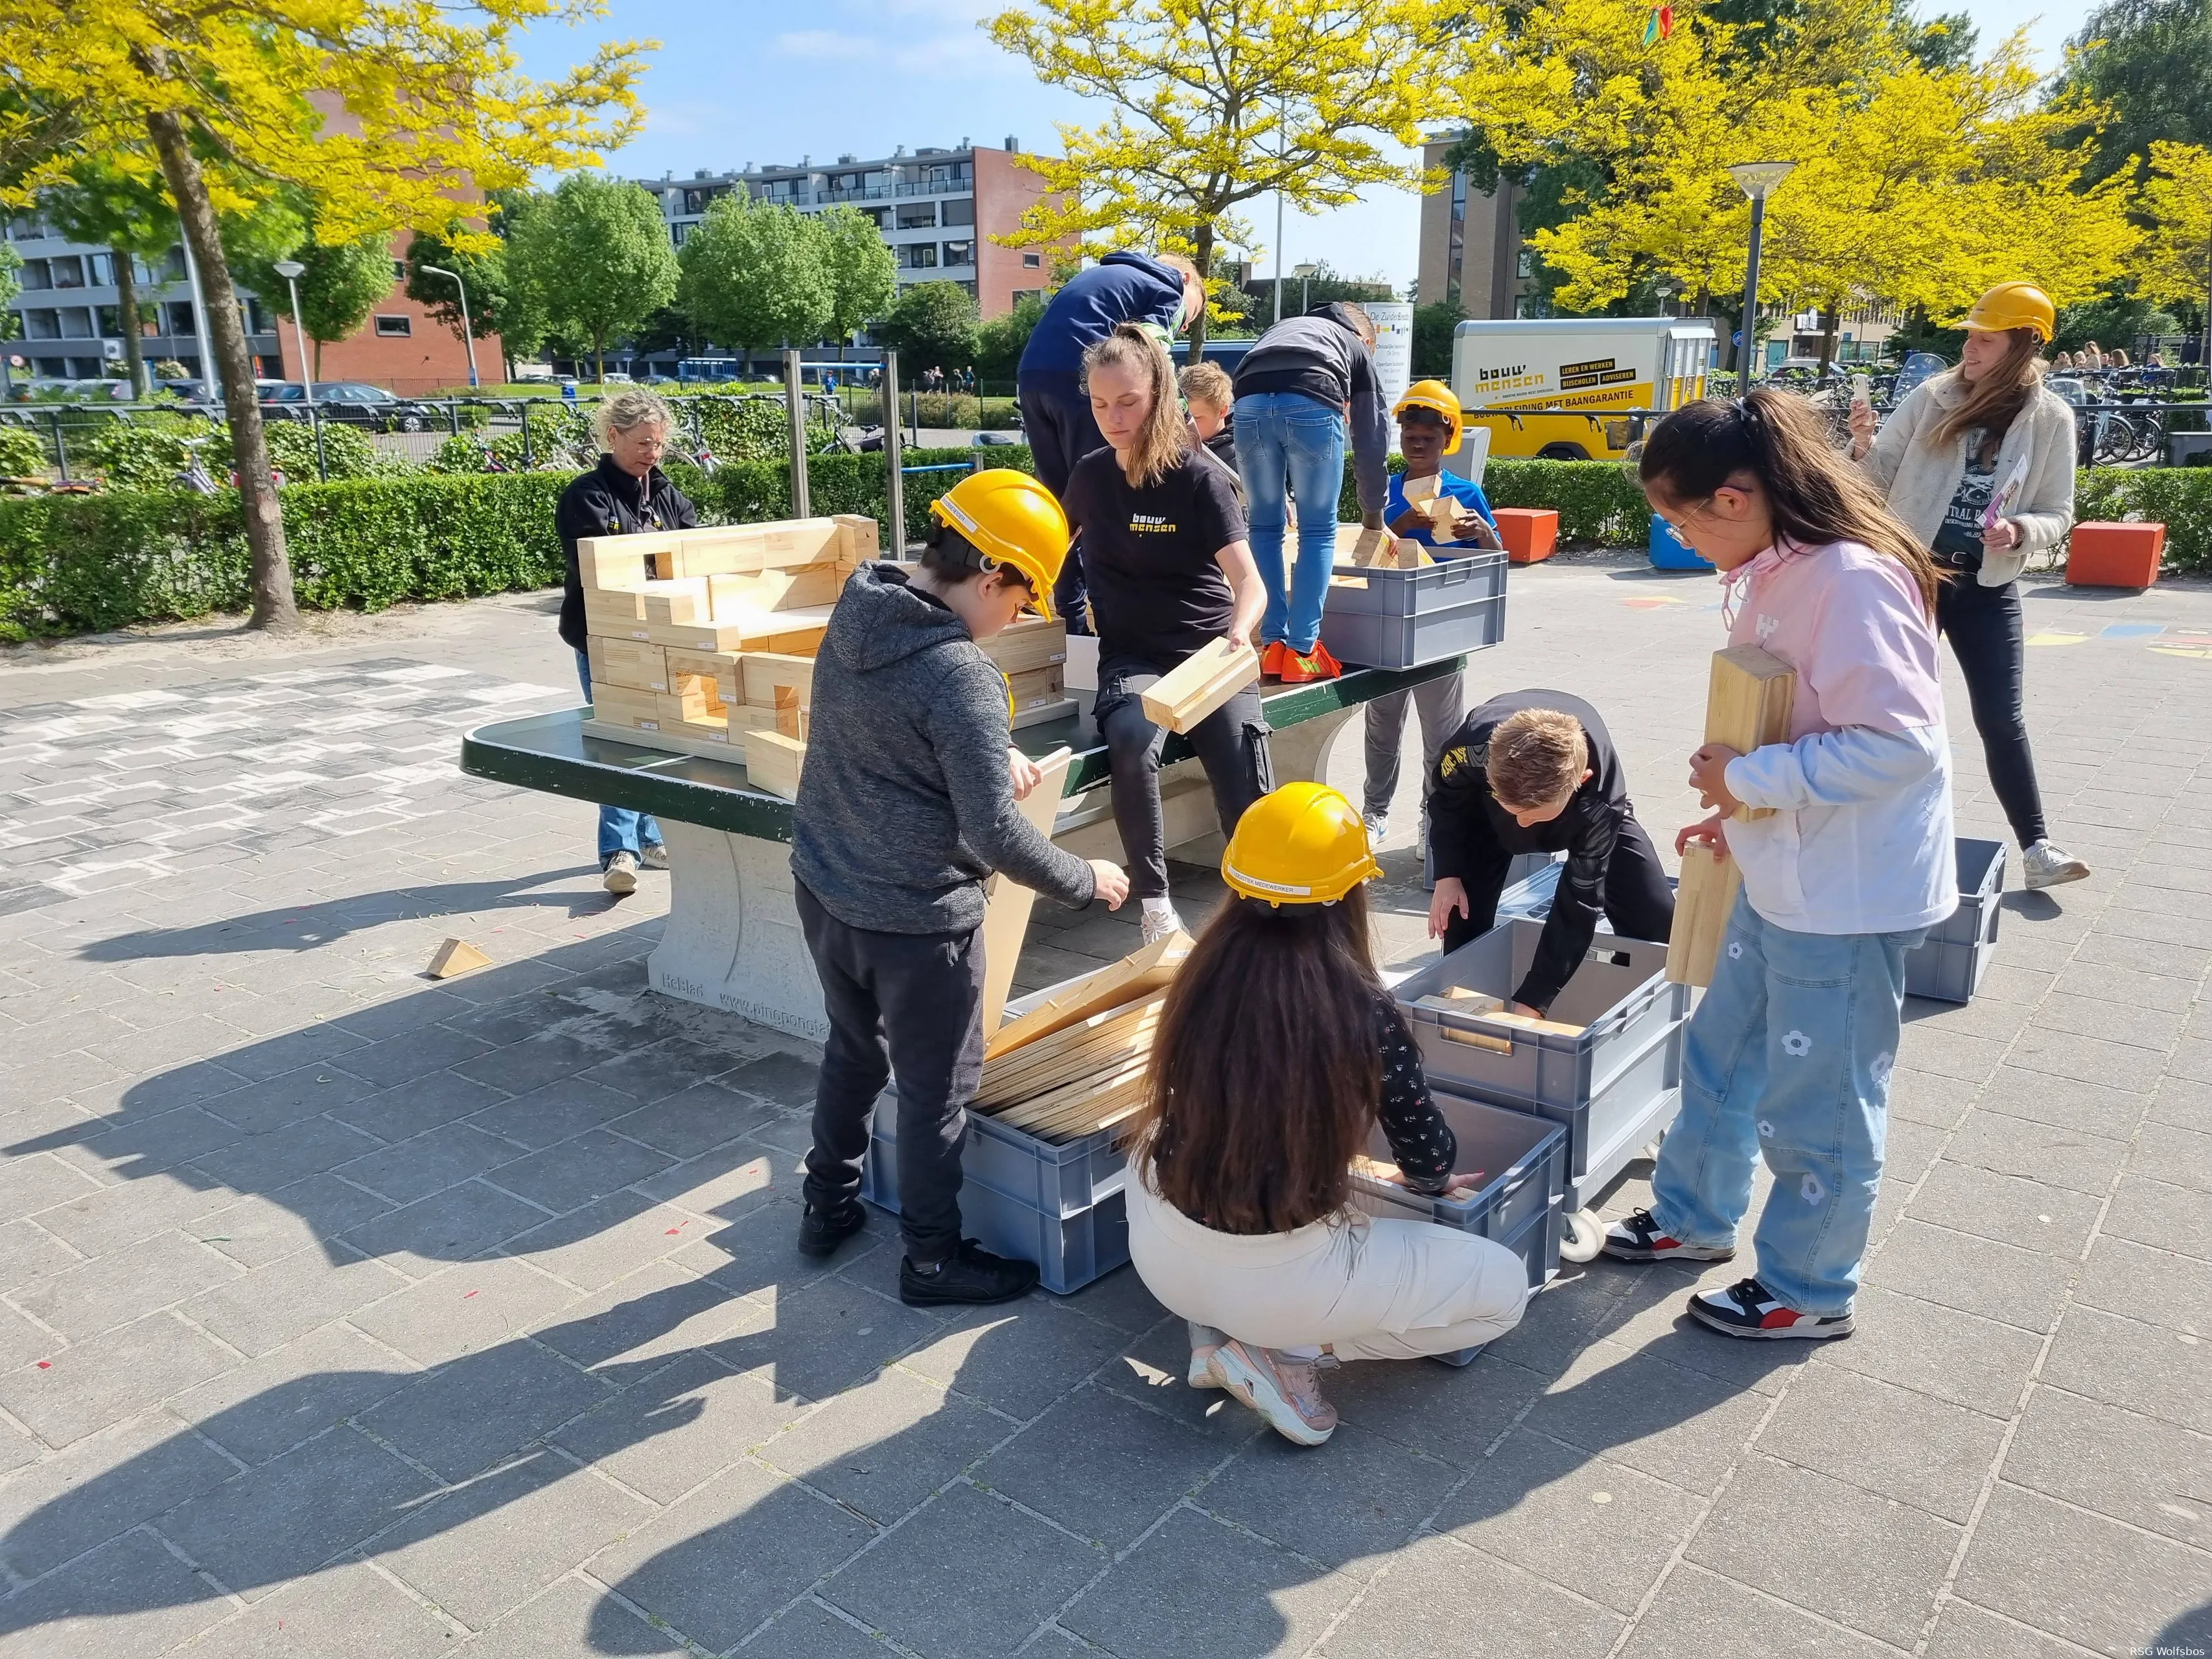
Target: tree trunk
{"x":1204,"y":270}
{"x":273,"y":606}
{"x":1830,"y":319}
{"x":318,"y":374}
{"x":126,"y":320}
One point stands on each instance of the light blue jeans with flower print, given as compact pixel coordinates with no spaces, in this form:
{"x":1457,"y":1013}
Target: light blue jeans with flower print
{"x":1788,"y":1058}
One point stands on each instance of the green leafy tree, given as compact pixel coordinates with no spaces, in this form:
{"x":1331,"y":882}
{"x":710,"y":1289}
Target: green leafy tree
{"x":1434,"y":326}
{"x":2146,"y":63}
{"x":754,"y":275}
{"x":484,"y":274}
{"x":863,"y":276}
{"x":595,"y":256}
{"x":341,"y":285}
{"x":130,"y":217}
{"x":932,"y":325}
{"x":1000,"y":342}
{"x":11,"y":284}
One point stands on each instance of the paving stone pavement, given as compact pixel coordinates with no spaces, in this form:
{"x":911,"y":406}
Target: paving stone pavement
{"x":343,"y":1313}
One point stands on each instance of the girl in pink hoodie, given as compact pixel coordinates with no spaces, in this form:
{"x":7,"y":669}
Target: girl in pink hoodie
{"x":1789,"y":1053}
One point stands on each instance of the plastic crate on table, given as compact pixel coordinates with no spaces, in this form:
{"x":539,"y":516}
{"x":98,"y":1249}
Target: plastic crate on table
{"x":1379,"y":616}
{"x":1523,"y":1162}
{"x":1949,"y":964}
{"x":1615,"y":1084}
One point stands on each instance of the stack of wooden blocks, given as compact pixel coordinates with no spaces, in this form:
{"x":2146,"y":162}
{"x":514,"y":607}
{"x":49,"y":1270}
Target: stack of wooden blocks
{"x":702,"y":641}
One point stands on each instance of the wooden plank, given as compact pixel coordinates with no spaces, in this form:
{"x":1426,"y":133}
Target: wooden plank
{"x":1459,"y":1001}
{"x":1013,"y":1074}
{"x":765,"y":671}
{"x":1139,"y":974}
{"x":775,"y":590}
{"x":1006,"y":903}
{"x":1748,"y":705}
{"x":796,"y":633}
{"x":621,"y":706}
{"x":1076,"y":1098}
{"x":773,"y":762}
{"x":671,"y":603}
{"x":1208,"y":678}
{"x":1116,"y":1100}
{"x":1707,"y":893}
{"x":612,"y":561}
{"x":630,"y":663}
{"x":709,"y":743}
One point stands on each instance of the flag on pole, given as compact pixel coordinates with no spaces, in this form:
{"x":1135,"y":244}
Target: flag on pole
{"x":1659,"y":25}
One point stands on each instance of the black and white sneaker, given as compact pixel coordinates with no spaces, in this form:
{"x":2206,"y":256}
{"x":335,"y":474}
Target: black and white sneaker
{"x":1747,"y":1308}
{"x":1638,"y":1238}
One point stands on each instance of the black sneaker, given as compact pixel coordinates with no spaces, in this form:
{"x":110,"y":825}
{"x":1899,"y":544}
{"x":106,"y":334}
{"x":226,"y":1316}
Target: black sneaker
{"x":974,"y":1275}
{"x":1747,"y":1308}
{"x":1637,"y":1238}
{"x":821,"y":1231}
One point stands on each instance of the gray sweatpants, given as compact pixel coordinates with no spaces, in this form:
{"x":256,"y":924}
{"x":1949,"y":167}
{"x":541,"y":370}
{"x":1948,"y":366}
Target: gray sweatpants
{"x":1442,"y":704}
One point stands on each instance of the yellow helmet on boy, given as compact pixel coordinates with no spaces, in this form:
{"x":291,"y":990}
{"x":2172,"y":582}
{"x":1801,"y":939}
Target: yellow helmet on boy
{"x":1303,"y":844}
{"x":1011,"y":519}
{"x":1436,"y":396}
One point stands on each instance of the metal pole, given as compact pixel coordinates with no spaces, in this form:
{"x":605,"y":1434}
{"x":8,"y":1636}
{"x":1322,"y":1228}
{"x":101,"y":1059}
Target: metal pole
{"x":61,"y":449}
{"x":529,"y":460}
{"x":210,"y":374}
{"x":468,"y":338}
{"x":315,"y":425}
{"x":1750,"y":298}
{"x":795,"y":406}
{"x":895,"y":459}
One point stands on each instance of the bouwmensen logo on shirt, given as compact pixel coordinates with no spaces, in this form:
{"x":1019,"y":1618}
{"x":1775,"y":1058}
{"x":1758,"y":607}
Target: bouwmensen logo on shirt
{"x":1150,"y":524}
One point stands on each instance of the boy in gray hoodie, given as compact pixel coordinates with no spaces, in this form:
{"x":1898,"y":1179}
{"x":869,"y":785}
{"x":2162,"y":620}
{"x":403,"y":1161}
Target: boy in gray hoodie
{"x":906,"y":806}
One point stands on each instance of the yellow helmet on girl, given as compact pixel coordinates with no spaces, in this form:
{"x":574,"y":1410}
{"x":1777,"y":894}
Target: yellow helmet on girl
{"x":2015,"y":304}
{"x":1303,"y":844}
{"x":1011,"y":519}
{"x":1436,"y":396}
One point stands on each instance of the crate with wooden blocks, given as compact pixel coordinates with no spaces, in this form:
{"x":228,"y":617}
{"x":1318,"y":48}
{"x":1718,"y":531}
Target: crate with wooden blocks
{"x":1062,"y":1076}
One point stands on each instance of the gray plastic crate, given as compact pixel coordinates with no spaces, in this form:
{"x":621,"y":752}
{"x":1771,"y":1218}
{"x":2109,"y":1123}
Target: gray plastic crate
{"x":1523,"y":1160}
{"x":1392,"y":618}
{"x":1615,"y":1085}
{"x":1949,"y":967}
{"x":1060,"y":1206}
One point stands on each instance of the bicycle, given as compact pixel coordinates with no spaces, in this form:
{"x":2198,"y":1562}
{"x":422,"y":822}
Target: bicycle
{"x":195,"y":476}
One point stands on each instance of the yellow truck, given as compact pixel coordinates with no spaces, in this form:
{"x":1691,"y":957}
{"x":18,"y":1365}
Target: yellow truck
{"x":1549,"y":388}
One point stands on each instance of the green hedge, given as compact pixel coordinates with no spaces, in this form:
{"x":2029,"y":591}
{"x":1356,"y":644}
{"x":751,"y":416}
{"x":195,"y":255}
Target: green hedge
{"x":2179,"y":497}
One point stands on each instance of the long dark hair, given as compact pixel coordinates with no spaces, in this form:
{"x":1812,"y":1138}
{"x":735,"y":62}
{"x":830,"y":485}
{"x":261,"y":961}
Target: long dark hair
{"x":1814,"y":495}
{"x":1267,"y":1071}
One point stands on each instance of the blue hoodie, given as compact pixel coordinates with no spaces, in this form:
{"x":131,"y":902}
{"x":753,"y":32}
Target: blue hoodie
{"x":1122,"y":287}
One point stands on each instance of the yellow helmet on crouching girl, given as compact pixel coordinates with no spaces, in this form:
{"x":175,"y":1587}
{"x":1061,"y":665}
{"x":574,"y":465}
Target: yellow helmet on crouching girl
{"x":1303,"y":844}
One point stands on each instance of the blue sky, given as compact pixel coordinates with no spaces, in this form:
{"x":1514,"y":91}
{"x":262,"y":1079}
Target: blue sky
{"x":759,"y":82}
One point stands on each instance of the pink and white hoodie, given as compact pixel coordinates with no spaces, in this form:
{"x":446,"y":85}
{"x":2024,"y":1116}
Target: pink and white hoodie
{"x":1861,"y":839}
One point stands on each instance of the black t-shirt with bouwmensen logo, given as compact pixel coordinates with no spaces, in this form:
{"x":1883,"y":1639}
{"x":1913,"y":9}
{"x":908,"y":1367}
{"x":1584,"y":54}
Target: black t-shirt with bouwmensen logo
{"x":1156,"y":593}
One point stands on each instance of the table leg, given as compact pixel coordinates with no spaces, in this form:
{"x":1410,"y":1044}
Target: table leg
{"x":732,"y":939}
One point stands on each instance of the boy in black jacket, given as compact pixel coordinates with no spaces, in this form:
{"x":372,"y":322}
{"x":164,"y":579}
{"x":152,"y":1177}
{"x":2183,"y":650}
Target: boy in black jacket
{"x":1535,"y":771}
{"x":906,"y":805}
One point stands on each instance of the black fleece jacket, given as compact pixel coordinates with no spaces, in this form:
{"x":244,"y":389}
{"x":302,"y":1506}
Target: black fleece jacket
{"x":609,"y":501}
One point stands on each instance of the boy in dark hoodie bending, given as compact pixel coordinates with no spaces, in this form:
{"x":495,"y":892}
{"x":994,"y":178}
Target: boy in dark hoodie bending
{"x":906,"y":805}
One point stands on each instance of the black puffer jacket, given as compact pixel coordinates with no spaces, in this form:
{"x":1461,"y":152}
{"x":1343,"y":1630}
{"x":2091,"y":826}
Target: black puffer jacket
{"x":609,"y":501}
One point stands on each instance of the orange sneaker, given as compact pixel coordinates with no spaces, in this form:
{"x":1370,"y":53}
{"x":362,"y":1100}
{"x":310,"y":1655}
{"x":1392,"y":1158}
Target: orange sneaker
{"x":1315,"y":665}
{"x":1273,"y":656}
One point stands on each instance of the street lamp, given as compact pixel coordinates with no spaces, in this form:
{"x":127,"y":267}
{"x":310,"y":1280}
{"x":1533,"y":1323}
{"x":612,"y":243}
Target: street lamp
{"x":1306,"y":274}
{"x":1756,"y":178}
{"x":468,"y":339}
{"x":291,"y":271}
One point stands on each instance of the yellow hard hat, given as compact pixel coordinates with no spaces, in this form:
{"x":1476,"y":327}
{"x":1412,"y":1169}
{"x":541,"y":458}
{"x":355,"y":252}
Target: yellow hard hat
{"x":1010,"y":518}
{"x":1436,"y":395}
{"x":2015,"y":304}
{"x":1303,"y":844}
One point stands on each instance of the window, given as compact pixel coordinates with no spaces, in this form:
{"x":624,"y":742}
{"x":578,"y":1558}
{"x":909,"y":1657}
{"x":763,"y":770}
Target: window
{"x":1021,"y":294}
{"x":917,"y":215}
{"x":35,"y":275}
{"x":1526,"y":264}
{"x":42,"y":326}
{"x":77,"y":323}
{"x":881,"y":215}
{"x":51,"y":368}
{"x":1033,"y":262}
{"x":960,"y":210}
{"x":177,"y":317}
{"x":68,"y":272}
{"x":678,"y":232}
{"x":100,"y":269}
{"x":960,"y":253}
{"x":392,"y":328}
{"x":918,"y":255}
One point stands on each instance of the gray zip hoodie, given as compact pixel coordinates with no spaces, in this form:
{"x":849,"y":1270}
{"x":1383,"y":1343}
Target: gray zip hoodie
{"x":905,"y":806}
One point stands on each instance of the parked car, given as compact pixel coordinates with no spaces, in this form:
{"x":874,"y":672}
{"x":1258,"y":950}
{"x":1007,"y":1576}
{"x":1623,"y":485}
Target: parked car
{"x":371,"y":407}
{"x":102,"y":391}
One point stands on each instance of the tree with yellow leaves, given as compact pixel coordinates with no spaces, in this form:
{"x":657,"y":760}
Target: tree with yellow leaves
{"x":2177,"y":201}
{"x":1216,"y":103}
{"x":386,"y":112}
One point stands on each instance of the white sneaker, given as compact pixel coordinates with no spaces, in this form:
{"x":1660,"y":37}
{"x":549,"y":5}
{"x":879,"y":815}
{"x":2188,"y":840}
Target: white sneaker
{"x":1205,"y":1343}
{"x":621,"y":879}
{"x":2047,"y":864}
{"x":1160,"y":924}
{"x":1285,"y":1392}
{"x":1378,"y":826}
{"x":655,"y":857}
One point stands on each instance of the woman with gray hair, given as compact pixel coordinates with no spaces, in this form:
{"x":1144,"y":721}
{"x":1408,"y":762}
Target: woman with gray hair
{"x":626,"y":493}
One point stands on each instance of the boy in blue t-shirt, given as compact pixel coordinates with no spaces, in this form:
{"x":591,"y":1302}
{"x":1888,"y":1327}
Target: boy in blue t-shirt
{"x":1450,"y":515}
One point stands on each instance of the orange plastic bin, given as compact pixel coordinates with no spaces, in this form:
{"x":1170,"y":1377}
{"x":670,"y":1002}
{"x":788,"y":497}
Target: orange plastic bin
{"x":1531,"y":534}
{"x":2115,"y":555}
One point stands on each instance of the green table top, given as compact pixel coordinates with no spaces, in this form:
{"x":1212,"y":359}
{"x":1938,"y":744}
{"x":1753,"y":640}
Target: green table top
{"x":550,"y":752}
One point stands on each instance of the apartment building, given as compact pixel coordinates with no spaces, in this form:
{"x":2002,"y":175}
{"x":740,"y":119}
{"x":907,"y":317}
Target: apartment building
{"x":1472,"y":242}
{"x":938,"y":209}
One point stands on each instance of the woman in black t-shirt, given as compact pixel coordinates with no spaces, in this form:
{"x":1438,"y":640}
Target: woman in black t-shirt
{"x":1169,"y":570}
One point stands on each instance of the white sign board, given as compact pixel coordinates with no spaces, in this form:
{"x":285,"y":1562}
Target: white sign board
{"x":1393,"y":347}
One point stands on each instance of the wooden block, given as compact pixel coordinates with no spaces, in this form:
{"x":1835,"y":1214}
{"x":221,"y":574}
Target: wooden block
{"x":774,"y":590}
{"x":797,"y":642}
{"x":796,"y":634}
{"x":620,"y":706}
{"x":857,"y":539}
{"x":766,"y":672}
{"x":1748,"y":704}
{"x":720,"y":666}
{"x":1036,"y":685}
{"x":1032,"y":642}
{"x":1206,"y":680}
{"x":630,"y":663}
{"x":1530,"y":1022}
{"x":773,"y":762}
{"x":1406,"y":554}
{"x":1707,"y":893}
{"x":1137,"y":975}
{"x":1427,"y":488}
{"x":681,"y":600}
{"x":1006,"y":903}
{"x":456,"y":957}
{"x":617,"y":613}
{"x":786,"y":710}
{"x":692,"y":697}
{"x":1361,"y":546}
{"x":611,"y":562}
{"x":1459,"y":1001}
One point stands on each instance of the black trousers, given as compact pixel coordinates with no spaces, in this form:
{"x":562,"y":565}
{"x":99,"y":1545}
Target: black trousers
{"x":1984,"y":626}
{"x":924,"y":993}
{"x":1231,"y":745}
{"x":1638,"y":902}
{"x":1056,"y":419}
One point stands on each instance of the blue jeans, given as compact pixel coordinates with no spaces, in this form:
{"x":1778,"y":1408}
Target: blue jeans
{"x":1286,"y":436}
{"x":621,"y":830}
{"x":1789,"y":1056}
